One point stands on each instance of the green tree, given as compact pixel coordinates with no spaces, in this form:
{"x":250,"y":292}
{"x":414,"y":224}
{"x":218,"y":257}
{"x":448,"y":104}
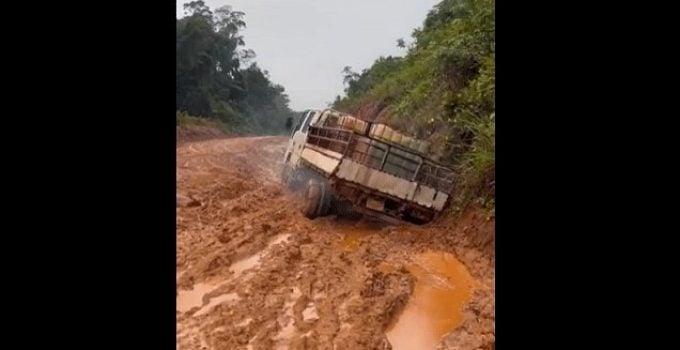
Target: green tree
{"x":209,"y":79}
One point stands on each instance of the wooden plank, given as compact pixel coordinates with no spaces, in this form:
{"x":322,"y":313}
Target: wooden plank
{"x":321,"y":160}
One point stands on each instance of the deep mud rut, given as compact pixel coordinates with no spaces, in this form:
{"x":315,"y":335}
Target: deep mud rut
{"x":253,"y":273}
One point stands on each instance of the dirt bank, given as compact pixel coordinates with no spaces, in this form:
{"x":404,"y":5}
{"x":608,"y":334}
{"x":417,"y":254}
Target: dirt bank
{"x":193,"y":133}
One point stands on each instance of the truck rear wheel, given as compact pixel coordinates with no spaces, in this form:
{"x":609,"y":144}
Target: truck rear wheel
{"x":317,"y":199}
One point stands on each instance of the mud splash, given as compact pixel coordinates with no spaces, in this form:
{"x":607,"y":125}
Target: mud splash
{"x":442,"y":288}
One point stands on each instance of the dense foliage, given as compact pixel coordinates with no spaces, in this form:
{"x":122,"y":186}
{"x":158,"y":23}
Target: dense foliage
{"x":210,"y":79}
{"x":443,"y":89}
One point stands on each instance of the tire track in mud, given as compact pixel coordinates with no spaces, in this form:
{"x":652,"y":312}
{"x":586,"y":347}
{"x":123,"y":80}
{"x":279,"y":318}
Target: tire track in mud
{"x":265,"y":277}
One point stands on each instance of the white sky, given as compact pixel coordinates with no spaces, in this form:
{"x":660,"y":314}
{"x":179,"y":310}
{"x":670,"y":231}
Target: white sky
{"x":304,"y":44}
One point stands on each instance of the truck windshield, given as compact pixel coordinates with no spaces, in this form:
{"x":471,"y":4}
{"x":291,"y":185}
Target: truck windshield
{"x":307,"y":121}
{"x":299,"y":123}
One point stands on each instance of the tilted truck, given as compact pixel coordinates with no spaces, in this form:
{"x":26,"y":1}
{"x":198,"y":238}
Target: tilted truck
{"x":347,"y":164}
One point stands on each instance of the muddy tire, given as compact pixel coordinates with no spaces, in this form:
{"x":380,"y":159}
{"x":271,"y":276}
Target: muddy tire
{"x":313,"y":199}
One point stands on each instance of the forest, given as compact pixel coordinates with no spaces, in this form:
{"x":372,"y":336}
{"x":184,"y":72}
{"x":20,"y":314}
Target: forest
{"x":218,"y":80}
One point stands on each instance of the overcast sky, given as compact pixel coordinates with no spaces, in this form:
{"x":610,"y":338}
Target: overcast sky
{"x":304,"y":44}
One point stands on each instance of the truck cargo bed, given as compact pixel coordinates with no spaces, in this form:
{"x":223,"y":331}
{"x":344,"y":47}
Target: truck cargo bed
{"x":342,"y":154}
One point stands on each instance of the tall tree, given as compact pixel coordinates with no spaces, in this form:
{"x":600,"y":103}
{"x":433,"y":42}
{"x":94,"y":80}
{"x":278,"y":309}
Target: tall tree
{"x":209,"y":78}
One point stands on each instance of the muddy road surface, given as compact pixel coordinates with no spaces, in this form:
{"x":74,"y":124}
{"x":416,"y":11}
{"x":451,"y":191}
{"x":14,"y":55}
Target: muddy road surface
{"x":253,"y":273}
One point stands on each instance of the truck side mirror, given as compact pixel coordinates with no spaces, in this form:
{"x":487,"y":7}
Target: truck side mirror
{"x":289,"y":123}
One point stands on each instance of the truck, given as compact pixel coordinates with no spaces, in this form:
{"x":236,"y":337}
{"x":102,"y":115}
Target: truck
{"x":343,"y":164}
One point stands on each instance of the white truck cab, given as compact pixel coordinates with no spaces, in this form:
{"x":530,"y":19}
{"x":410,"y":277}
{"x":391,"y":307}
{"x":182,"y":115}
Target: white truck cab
{"x":298,"y":136}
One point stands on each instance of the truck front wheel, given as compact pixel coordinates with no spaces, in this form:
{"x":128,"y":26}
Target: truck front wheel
{"x":287,"y":176}
{"x":312,"y":199}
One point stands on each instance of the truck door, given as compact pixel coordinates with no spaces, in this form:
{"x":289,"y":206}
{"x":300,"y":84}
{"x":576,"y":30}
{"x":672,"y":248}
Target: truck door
{"x":298,"y":139}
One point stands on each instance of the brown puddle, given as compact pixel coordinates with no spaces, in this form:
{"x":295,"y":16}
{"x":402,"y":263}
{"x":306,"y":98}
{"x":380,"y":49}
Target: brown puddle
{"x":351,"y":240}
{"x":245,"y":264}
{"x":216,"y":301}
{"x":254,"y":260}
{"x":287,"y":328}
{"x":188,"y":299}
{"x":443,"y":286}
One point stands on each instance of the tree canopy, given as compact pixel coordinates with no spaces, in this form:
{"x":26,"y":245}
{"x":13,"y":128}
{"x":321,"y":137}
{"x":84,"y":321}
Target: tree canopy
{"x":215,"y":75}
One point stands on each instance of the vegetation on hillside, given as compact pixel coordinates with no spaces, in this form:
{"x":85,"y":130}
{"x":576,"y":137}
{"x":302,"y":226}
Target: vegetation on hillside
{"x":443,"y":90}
{"x":211,"y":80}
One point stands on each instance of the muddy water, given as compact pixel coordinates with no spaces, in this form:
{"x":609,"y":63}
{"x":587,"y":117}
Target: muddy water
{"x":351,"y":240}
{"x":254,"y":260}
{"x":245,"y":264}
{"x":443,"y":286}
{"x":188,"y":299}
{"x":286,"y":324}
{"x":216,"y":301}
{"x":353,"y":234}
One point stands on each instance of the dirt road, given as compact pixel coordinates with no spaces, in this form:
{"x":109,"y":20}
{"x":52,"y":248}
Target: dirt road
{"x":253,"y":273}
